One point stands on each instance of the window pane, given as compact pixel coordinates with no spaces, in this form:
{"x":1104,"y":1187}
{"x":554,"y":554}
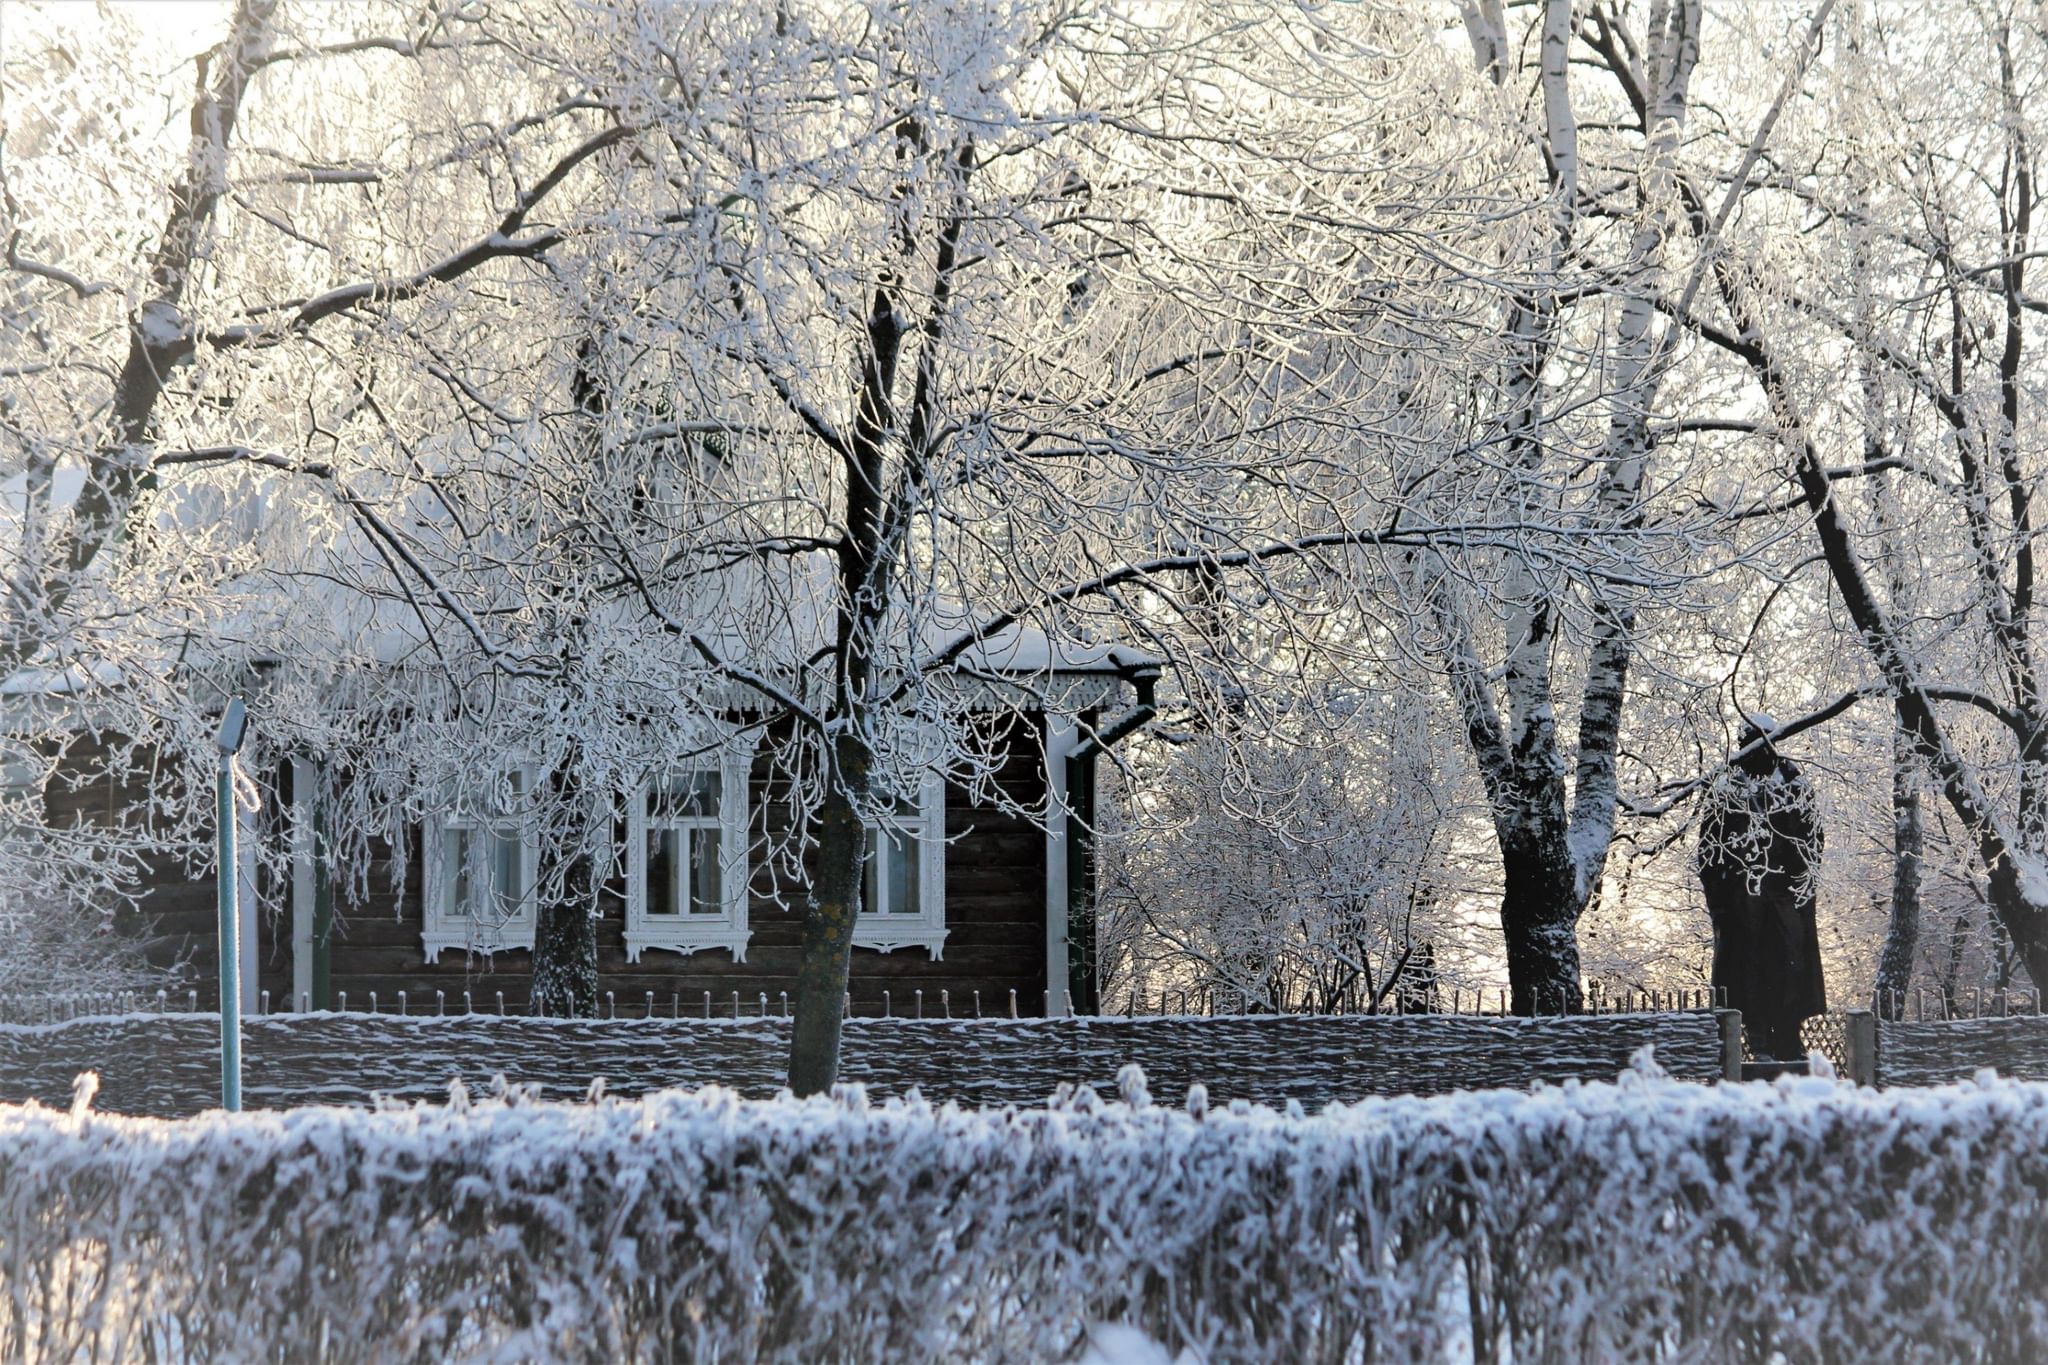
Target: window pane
{"x":664,"y":859}
{"x":688,"y":796}
{"x":903,"y":862}
{"x":508,"y":878}
{"x":871,"y":901}
{"x":889,"y":877}
{"x":461,"y":861}
{"x":707,"y":895}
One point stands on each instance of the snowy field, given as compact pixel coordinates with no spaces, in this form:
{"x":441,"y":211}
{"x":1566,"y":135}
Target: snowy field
{"x":1800,"y":1221}
{"x":168,"y":1065}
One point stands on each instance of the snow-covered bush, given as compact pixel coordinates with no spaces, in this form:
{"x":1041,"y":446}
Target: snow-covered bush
{"x":1305,"y":873}
{"x":1644,"y":1220}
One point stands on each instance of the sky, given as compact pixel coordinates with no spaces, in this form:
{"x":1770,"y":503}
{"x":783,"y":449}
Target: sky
{"x":179,"y":26}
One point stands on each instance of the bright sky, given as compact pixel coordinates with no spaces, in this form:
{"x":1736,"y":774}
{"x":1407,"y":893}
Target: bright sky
{"x":178,"y":26}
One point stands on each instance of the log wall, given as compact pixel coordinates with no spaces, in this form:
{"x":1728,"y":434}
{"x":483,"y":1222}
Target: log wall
{"x":995,"y":896}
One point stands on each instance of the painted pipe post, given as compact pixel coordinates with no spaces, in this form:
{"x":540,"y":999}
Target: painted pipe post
{"x":233,"y":723}
{"x":1860,"y":1028}
{"x":1730,"y":1024}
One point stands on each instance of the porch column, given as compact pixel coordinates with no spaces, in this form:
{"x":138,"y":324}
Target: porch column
{"x":303,"y":889}
{"x":1059,"y":745}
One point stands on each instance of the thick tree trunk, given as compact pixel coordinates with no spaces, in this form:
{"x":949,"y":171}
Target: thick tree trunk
{"x":565,"y":952}
{"x":1539,"y":915}
{"x":827,"y":953}
{"x":565,"y":928}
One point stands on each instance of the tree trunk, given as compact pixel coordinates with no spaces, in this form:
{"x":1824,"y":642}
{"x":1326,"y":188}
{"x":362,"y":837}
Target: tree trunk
{"x":828,"y":925}
{"x":1539,"y":915}
{"x":565,"y":956}
{"x":1902,"y":932}
{"x":1952,"y":968}
{"x":159,"y":335}
{"x":565,"y":928}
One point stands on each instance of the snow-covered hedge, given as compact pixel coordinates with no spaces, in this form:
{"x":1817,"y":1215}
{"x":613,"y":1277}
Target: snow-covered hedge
{"x":1803,"y":1221}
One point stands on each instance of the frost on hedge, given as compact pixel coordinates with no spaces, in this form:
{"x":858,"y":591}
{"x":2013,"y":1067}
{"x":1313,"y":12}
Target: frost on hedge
{"x":1644,"y":1220}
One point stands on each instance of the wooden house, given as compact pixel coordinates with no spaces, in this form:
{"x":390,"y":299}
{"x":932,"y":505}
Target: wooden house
{"x":967,"y":905}
{"x":968,"y":901}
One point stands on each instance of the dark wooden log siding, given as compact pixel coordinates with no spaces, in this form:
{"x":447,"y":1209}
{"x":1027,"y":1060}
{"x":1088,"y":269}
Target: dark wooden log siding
{"x":995,"y":897}
{"x":175,"y":920}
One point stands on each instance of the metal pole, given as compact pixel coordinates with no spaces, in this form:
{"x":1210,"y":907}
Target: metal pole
{"x":229,"y":741}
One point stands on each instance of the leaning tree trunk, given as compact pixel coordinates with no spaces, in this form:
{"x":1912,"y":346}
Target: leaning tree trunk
{"x":160,"y":337}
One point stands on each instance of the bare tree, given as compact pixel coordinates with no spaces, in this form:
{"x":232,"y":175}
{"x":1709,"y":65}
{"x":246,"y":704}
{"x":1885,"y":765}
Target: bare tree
{"x":1553,"y":833}
{"x":1935,"y":259}
{"x":171,"y":420}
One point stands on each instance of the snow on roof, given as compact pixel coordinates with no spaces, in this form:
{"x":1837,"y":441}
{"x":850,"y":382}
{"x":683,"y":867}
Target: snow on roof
{"x":335,"y":592}
{"x":59,"y":682}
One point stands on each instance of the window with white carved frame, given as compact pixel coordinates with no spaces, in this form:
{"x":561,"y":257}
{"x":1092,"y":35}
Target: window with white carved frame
{"x":686,"y":872}
{"x":481,"y":869}
{"x":903,"y":885}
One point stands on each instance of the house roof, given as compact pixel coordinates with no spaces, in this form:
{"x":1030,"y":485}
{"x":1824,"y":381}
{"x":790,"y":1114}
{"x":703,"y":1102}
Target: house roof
{"x":333,"y":592}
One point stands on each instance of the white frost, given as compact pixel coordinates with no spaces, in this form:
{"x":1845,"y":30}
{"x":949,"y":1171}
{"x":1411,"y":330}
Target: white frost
{"x":1642,"y":1221}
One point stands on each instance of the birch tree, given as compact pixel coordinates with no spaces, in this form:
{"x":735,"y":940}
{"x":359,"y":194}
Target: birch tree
{"x":1555,"y":808}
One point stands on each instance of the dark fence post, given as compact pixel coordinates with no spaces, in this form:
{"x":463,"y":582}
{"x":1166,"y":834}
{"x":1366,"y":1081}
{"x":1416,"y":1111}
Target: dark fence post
{"x":1731,"y":1043}
{"x":1859,"y":1029}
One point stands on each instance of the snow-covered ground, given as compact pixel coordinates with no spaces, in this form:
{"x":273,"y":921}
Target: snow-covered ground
{"x":1805,"y":1220}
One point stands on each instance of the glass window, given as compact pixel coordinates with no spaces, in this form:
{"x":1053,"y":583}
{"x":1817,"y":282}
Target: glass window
{"x":903,"y":892}
{"x":488,"y":861}
{"x":686,"y":875}
{"x":894,"y":859}
{"x":480,"y":896}
{"x":684,"y":842}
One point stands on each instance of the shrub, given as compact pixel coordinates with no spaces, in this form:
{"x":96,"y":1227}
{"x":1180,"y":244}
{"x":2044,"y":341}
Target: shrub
{"x":1646,"y":1220}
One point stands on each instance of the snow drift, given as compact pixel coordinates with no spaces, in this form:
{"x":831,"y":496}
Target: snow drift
{"x":1645,"y":1220}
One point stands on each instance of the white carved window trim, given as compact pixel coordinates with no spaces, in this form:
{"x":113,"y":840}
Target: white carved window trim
{"x":880,"y":928}
{"x":690,"y":933}
{"x":443,"y":928}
